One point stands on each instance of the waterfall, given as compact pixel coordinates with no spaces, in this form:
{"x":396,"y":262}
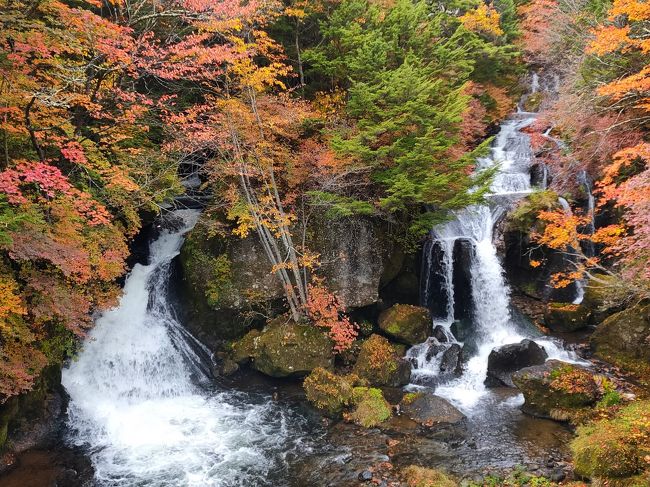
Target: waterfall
{"x":140,"y":397}
{"x":492,"y":324}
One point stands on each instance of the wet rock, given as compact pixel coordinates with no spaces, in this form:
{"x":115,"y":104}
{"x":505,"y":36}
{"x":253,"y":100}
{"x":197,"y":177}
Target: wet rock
{"x":462,"y":330}
{"x":285,"y":349}
{"x":556,"y":389}
{"x":604,"y":297}
{"x":557,"y":475}
{"x":434,"y":348}
{"x":566,"y":317}
{"x":365,"y":476}
{"x":371,"y":408}
{"x":462,"y":279}
{"x":380,"y":364}
{"x":505,"y":360}
{"x":440,"y":334}
{"x":406,"y":323}
{"x":329,"y":392}
{"x":437,"y":415}
{"x":451,"y":361}
{"x":226,"y":367}
{"x":624,"y":337}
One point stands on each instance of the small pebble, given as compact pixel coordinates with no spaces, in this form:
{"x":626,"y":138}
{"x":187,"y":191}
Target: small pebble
{"x":365,"y":476}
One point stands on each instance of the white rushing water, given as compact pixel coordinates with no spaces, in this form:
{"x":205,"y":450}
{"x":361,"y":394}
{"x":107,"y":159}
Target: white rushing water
{"x":137,"y":410}
{"x":492,"y":323}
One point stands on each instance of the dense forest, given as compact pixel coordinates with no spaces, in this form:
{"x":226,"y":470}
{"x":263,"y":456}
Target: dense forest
{"x":280,"y":118}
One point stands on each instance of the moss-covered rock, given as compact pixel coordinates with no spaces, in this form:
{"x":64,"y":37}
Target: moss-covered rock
{"x":556,"y":389}
{"x":624,"y":336}
{"x":566,"y":317}
{"x":329,"y":392}
{"x":380,"y":364}
{"x":604,"y":296}
{"x":615,"y":448}
{"x":416,"y":476}
{"x":406,"y":323}
{"x":370,"y":407}
{"x":285,"y":348}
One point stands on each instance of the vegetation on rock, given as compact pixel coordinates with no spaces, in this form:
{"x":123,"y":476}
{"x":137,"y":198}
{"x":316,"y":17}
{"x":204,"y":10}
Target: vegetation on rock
{"x":380,"y":364}
{"x":612,"y":449}
{"x":406,"y":323}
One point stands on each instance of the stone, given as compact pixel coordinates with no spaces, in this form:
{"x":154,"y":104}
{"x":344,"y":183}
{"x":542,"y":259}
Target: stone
{"x":380,"y":365}
{"x":451,"y":363}
{"x":430,"y":410}
{"x":365,"y":476}
{"x":556,"y":389}
{"x":440,"y":334}
{"x":604,"y":297}
{"x":285,"y":349}
{"x":406,"y":323}
{"x":566,"y":317}
{"x":371,"y":408}
{"x":624,"y":336}
{"x":505,"y":360}
{"x":329,"y":392}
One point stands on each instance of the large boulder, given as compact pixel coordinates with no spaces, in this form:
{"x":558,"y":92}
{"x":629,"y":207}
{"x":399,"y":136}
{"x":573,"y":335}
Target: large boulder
{"x":285,"y":348}
{"x":370,"y":407}
{"x":624,"y":337}
{"x":505,"y":360}
{"x":566,"y":317}
{"x":436,"y":415}
{"x":329,"y":392}
{"x":556,"y":389}
{"x":406,"y":323}
{"x":428,"y":409}
{"x":604,"y":296}
{"x":380,"y":364}
{"x":227,"y":282}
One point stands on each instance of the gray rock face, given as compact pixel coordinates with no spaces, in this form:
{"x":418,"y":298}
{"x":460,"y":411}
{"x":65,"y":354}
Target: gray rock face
{"x":225,"y":277}
{"x":435,"y":414}
{"x":428,"y":409}
{"x":507,"y":359}
{"x":356,"y":257}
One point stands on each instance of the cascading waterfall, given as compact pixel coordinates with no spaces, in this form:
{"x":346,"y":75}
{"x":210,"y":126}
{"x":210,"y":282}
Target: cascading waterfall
{"x":139,"y":406}
{"x":491,"y":320}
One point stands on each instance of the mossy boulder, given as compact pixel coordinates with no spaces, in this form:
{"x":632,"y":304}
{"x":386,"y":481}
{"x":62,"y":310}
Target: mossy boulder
{"x":370,"y":407}
{"x":380,"y":364}
{"x":615,"y":448}
{"x":406,"y":323}
{"x":625,"y":335}
{"x":556,"y":389}
{"x":329,"y":392}
{"x":566,"y":317}
{"x":415,"y":476}
{"x":604,"y":296}
{"x":285,"y":348}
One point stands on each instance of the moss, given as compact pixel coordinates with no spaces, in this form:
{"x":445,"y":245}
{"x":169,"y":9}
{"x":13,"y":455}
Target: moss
{"x":285,"y":349}
{"x":329,"y":392}
{"x":614,"y":448}
{"x":524,"y":217}
{"x":410,"y":397}
{"x":371,"y":409}
{"x":566,"y":316}
{"x":380,"y":364}
{"x":406,"y":323}
{"x":415,"y":476}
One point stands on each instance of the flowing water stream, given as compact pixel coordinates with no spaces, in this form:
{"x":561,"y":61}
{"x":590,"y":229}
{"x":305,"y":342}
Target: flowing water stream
{"x":141,"y":403}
